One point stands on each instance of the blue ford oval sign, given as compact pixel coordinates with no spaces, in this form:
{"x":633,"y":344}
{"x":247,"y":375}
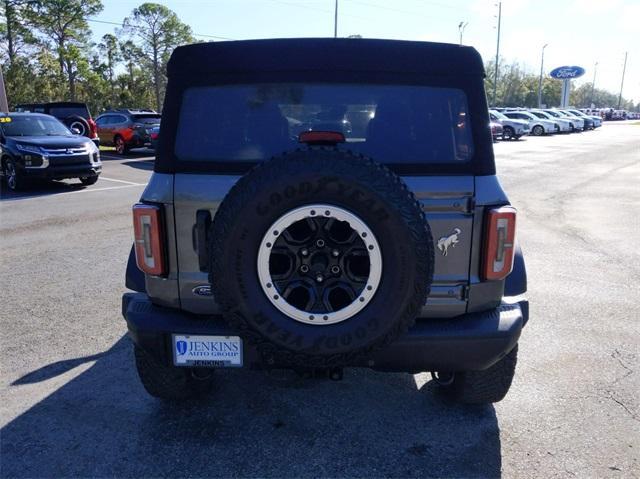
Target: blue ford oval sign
{"x":566,"y":73}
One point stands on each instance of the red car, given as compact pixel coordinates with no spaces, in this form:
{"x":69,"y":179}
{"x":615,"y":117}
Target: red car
{"x":127,"y":129}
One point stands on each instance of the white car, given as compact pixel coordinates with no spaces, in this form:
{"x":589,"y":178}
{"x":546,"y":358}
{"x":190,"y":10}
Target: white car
{"x":597,"y":121}
{"x":537,"y":126}
{"x":577,"y":124}
{"x":562,"y":125}
{"x":511,"y":129}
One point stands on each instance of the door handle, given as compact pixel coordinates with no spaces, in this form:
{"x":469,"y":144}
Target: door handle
{"x":200,"y":243}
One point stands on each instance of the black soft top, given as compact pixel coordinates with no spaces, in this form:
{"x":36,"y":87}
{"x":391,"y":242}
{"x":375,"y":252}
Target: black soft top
{"x":327,"y":60}
{"x":326,"y":55}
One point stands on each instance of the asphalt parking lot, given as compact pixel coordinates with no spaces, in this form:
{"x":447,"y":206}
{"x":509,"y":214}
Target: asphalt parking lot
{"x":72,"y":404}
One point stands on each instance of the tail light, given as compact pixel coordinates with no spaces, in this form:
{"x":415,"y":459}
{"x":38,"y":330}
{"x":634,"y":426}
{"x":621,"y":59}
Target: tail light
{"x":499,"y":242}
{"x":93,"y":128}
{"x":321,"y":137}
{"x":149,"y":242}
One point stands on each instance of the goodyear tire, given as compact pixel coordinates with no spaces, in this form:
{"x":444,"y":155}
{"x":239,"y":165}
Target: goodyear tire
{"x":320,"y":256}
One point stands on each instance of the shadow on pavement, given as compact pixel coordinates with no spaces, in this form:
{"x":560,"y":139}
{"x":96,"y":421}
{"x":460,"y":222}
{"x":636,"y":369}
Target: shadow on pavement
{"x":141,"y":165}
{"x":102,"y":423}
{"x":111,"y":155}
{"x":43,"y":188}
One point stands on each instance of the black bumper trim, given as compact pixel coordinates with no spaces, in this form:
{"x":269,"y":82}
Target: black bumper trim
{"x":474,"y":341}
{"x":61,"y":172}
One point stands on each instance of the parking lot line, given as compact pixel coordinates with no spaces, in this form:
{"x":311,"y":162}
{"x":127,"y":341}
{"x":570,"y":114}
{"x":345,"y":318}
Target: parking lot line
{"x":122,"y":181}
{"x":106,"y":188}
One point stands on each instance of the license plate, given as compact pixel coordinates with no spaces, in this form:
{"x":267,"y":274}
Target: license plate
{"x":207,"y":351}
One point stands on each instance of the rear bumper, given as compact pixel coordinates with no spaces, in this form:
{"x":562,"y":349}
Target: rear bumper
{"x":474,"y":341}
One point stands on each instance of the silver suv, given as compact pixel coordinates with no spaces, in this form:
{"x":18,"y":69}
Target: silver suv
{"x":318,"y":204}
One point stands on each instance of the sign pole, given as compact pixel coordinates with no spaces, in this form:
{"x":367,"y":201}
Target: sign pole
{"x":566,"y":88}
{"x":4,"y":104}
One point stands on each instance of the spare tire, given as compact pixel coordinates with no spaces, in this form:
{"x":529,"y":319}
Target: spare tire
{"x":76,"y":121}
{"x":319,"y":257}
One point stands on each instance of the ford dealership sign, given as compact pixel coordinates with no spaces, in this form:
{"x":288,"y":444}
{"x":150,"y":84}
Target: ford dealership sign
{"x":566,"y":73}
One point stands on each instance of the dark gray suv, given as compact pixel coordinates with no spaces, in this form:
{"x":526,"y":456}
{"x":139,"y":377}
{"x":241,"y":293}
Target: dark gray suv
{"x":378,"y":237}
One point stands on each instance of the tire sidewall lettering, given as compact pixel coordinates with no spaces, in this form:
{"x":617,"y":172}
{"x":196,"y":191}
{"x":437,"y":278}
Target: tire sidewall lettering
{"x":324,"y":184}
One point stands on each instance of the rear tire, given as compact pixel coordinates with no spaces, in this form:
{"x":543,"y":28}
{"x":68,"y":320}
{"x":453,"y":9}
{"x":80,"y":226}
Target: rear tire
{"x":168,"y":382}
{"x":481,"y":387}
{"x":121,"y":146}
{"x":508,"y":133}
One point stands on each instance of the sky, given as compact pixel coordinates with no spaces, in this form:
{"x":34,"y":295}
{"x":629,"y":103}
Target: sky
{"x":578,"y":32}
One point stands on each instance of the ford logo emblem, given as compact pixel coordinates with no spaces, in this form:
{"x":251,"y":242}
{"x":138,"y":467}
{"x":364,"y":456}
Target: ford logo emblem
{"x":567,"y":73}
{"x":202,"y":290}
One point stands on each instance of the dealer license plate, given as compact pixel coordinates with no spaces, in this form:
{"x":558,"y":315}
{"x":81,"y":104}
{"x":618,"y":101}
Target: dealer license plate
{"x":207,"y":351}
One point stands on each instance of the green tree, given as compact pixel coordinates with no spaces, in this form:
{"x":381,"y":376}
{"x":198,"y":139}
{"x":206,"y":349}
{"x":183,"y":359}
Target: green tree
{"x":159,"y":31}
{"x":130,"y":54}
{"x":110,"y":48}
{"x":15,"y":37}
{"x":64,"y":24}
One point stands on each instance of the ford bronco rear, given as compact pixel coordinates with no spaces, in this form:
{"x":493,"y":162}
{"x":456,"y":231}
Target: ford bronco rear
{"x":319,"y":204}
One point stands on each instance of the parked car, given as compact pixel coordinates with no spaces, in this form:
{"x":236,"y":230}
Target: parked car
{"x":562,"y":125}
{"x":511,"y":129}
{"x":496,"y":130}
{"x":577,"y":124}
{"x":311,"y":252}
{"x":36,"y":146}
{"x":74,"y":115}
{"x":127,"y":129}
{"x":537,"y":126}
{"x":587,"y":123}
{"x":591,"y":122}
{"x":618,"y":114}
{"x":154,"y":135}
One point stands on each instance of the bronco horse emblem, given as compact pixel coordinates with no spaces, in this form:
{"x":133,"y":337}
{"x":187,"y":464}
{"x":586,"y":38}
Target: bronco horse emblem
{"x":448,"y":241}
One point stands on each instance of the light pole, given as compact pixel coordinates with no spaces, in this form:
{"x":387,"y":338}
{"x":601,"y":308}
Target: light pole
{"x":495,"y":76}
{"x":335,"y":21}
{"x":461,"y":28}
{"x":540,"y":80}
{"x":624,"y":69}
{"x":593,"y":84}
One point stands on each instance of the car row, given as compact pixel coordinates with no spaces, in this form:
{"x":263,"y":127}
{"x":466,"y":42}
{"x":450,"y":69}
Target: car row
{"x":123,"y":129}
{"x":517,"y":122}
{"x":611,"y":114}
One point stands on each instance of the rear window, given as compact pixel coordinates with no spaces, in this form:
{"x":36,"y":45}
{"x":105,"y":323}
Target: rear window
{"x":147,"y":119}
{"x":67,"y":111}
{"x":393,"y":124}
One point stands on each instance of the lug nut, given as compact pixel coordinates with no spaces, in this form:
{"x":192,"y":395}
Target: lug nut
{"x":335,"y":253}
{"x":304,"y":268}
{"x":320,"y":243}
{"x":305,"y":252}
{"x":335,"y":269}
{"x":319,"y":278}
